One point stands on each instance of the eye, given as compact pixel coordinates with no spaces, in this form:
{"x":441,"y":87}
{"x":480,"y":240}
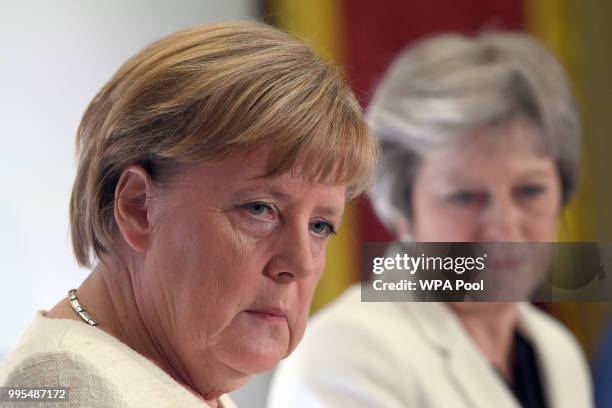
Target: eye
{"x":260,"y":210}
{"x":465,"y":198}
{"x":322,"y":228}
{"x":531,"y":190}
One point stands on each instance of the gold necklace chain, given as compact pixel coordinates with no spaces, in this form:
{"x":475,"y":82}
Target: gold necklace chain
{"x":76,"y":306}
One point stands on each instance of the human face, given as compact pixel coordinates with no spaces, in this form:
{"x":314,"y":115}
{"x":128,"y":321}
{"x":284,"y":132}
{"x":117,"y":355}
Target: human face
{"x":232,"y":267}
{"x":493,"y":187}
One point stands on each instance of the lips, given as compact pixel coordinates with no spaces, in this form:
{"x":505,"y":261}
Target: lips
{"x":504,"y":263}
{"x":269,"y":314}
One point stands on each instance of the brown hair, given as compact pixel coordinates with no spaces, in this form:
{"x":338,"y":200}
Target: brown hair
{"x":202,"y":94}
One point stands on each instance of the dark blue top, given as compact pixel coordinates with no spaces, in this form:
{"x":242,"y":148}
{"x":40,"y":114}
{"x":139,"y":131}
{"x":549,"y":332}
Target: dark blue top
{"x":526,"y":382}
{"x":603,"y":372}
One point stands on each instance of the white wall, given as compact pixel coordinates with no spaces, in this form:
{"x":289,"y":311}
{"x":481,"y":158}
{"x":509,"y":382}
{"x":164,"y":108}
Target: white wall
{"x":54,"y":56}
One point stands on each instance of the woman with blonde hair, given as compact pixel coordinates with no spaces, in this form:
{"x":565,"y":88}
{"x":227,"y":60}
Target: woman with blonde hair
{"x":213,"y":168}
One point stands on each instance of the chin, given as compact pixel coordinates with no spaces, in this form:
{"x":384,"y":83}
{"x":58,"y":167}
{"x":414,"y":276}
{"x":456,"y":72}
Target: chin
{"x":252,"y":344}
{"x":223,"y":382}
{"x":258,"y":360}
{"x":251,"y":355}
{"x":230,"y":367}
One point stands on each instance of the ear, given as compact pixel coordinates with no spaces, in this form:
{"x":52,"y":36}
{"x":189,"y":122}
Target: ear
{"x":132,"y":207}
{"x":403,"y":227}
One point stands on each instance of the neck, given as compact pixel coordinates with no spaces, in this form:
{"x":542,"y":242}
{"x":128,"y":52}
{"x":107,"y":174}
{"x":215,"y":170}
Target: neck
{"x":491,"y":326}
{"x":108,"y":296}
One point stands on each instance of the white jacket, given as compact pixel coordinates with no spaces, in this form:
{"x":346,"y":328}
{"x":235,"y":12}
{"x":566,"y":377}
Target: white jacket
{"x":413,"y":354}
{"x":97,"y":369}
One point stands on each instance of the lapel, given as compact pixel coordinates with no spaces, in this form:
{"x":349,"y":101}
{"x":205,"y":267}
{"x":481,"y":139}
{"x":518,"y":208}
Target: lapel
{"x":466,"y":368}
{"x":560,"y":386}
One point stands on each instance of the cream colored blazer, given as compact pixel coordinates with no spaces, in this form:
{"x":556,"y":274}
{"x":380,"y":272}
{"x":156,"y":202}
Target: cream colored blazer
{"x":98,"y":369}
{"x":417,"y":355}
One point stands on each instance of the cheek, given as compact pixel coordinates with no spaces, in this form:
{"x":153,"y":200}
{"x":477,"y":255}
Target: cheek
{"x":434,"y":222}
{"x":542,"y":229}
{"x":540,"y":224}
{"x":202,"y":267}
{"x":303,"y":299}
{"x":219,"y":274}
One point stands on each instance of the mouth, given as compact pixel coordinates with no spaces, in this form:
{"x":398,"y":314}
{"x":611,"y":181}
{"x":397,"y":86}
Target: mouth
{"x":269,"y":314}
{"x":504,"y":263}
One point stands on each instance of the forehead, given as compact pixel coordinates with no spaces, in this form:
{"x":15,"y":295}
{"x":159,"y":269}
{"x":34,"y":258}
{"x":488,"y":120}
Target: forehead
{"x":254,"y":167}
{"x":247,"y":173}
{"x":514,"y":147}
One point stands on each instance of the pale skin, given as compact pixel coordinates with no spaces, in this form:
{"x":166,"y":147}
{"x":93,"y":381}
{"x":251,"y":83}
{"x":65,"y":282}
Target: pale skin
{"x":212,"y":275}
{"x":496,"y":186}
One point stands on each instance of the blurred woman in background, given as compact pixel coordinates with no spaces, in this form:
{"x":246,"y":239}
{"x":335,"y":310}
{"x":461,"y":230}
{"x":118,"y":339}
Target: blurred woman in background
{"x":481,"y":143}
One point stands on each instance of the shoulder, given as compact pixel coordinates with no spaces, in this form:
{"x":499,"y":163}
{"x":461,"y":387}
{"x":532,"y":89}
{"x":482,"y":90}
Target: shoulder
{"x":43,"y":358}
{"x":349,"y":327}
{"x":381,"y":328}
{"x":352,"y":354}
{"x":543,"y":328}
{"x":348,"y":314}
{"x":58,"y":369}
{"x":39,"y":354}
{"x":71,"y":354}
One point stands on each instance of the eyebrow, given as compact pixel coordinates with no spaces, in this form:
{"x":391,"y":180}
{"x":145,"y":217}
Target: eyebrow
{"x":279,"y":195}
{"x":330,"y":212}
{"x":535,"y":173}
{"x":284,"y":197}
{"x":461,"y":179}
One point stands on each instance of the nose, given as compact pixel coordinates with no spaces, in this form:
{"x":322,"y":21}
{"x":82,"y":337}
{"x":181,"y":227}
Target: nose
{"x":502,"y":221}
{"x":294,"y":257}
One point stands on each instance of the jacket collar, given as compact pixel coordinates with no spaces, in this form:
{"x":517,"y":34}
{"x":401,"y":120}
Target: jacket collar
{"x":559,"y":371}
{"x":466,"y":367}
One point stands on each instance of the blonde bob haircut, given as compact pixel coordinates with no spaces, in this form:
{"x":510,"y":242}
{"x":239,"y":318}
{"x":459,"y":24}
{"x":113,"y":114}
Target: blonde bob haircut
{"x":202,"y":94}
